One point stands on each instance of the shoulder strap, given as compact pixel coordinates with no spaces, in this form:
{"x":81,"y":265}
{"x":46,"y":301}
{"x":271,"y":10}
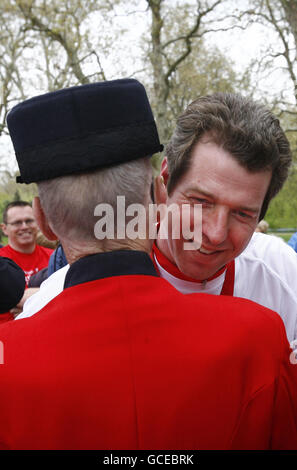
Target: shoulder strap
{"x":228,"y":286}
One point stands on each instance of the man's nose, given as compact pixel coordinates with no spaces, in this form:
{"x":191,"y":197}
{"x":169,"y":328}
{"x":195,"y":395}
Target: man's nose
{"x":27,"y":223}
{"x":215,"y":226}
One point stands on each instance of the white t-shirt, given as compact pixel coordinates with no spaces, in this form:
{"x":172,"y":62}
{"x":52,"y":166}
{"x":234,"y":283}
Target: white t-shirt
{"x":265,"y":272}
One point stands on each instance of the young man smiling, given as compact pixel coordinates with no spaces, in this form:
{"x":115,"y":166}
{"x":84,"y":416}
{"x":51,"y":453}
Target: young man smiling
{"x":231,"y":200}
{"x":20,"y":226}
{"x":230,"y":155}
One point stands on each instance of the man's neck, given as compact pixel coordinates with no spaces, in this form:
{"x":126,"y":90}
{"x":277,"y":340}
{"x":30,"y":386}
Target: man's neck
{"x":162,"y":245}
{"x":26,"y":249}
{"x":168,"y":264}
{"x":74,"y":252}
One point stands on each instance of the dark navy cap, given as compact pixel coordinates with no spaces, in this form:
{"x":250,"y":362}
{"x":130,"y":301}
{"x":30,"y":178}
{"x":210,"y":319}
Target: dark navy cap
{"x":82,"y":128}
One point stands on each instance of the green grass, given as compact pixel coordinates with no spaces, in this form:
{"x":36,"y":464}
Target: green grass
{"x":3,"y":240}
{"x":284,"y":235}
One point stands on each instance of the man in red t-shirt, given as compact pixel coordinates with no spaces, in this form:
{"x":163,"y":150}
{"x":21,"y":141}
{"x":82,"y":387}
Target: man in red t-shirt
{"x":21,"y":229}
{"x":20,"y":226}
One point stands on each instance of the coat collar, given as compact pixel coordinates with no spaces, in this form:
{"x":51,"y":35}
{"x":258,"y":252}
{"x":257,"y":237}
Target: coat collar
{"x":109,"y":264}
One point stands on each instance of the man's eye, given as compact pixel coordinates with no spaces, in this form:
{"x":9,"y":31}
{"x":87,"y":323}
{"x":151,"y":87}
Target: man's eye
{"x":199,"y":200}
{"x":243,"y":215}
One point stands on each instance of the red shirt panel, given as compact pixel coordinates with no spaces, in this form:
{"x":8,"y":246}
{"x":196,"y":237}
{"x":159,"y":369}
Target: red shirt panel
{"x":30,"y":263}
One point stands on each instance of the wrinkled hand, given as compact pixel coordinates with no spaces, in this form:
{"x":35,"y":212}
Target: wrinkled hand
{"x":19,"y":307}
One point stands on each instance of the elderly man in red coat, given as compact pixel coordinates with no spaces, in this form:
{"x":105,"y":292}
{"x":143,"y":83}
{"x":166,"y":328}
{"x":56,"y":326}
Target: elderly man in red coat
{"x":120,"y":359}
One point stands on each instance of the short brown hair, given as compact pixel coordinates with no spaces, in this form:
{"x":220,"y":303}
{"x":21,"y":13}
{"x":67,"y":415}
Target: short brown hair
{"x":13,"y":204}
{"x":246,"y":129}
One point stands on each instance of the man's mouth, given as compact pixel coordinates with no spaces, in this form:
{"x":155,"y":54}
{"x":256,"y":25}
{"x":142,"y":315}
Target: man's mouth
{"x":207,"y":252}
{"x":25,"y":234}
{"x":200,"y":248}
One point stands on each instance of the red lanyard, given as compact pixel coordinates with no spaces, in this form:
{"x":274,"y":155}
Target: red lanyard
{"x":228,"y":286}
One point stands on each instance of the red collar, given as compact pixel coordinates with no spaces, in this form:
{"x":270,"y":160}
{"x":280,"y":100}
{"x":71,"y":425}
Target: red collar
{"x":172,"y":269}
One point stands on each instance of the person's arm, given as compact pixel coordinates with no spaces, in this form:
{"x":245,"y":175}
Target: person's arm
{"x":12,"y":284}
{"x":17,"y":309}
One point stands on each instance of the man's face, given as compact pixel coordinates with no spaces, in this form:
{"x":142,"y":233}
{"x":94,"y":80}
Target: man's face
{"x":21,"y":228}
{"x":231,"y":199}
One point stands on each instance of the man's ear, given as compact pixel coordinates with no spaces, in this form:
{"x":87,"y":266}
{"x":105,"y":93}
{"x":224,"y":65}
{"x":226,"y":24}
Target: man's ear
{"x":42,"y":220}
{"x":160,"y":191}
{"x":3,"y":228}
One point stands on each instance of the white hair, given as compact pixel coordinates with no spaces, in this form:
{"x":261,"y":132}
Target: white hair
{"x":69,"y":201}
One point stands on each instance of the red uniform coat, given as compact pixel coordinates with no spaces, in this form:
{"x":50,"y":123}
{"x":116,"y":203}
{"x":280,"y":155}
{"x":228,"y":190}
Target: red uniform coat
{"x":127,"y":362}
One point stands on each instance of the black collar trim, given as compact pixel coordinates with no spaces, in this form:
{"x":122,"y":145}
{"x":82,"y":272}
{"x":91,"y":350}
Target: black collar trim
{"x":112,"y":263}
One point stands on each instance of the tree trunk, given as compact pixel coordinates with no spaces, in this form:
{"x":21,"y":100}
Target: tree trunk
{"x":159,"y":77}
